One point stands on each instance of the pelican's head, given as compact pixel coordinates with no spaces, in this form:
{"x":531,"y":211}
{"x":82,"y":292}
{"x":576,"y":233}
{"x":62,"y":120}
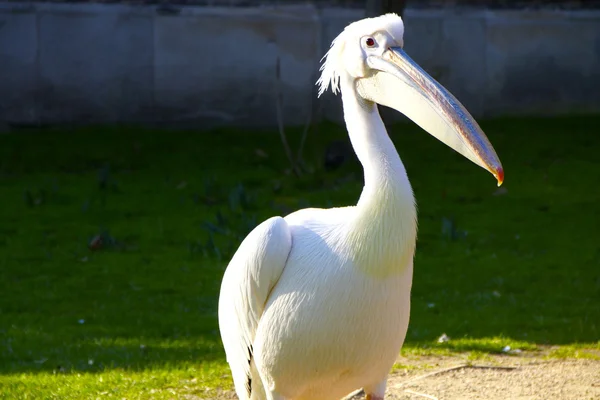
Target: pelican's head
{"x":369,"y":54}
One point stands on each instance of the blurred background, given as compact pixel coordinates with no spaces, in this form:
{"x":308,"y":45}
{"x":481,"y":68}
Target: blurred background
{"x":214,"y":62}
{"x":142,"y":140}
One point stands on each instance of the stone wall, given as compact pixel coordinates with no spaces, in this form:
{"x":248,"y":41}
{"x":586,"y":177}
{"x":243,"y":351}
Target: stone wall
{"x":99,"y":63}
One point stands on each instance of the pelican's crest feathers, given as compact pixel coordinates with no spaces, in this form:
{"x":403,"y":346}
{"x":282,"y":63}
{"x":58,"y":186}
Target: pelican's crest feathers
{"x":332,"y":61}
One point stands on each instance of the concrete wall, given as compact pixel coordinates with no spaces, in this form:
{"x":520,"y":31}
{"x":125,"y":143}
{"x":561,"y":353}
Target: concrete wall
{"x":205,"y":65}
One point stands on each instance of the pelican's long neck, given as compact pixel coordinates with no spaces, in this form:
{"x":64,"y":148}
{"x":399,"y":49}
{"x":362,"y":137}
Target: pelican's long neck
{"x":384,"y":230}
{"x":385,"y":176}
{"x":372,"y":144}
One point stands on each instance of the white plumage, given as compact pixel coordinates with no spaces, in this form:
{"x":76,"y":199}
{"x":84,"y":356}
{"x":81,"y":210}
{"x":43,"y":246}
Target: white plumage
{"x":316,"y":304}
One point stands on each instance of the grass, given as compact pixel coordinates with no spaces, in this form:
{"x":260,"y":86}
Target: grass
{"x":136,"y":317}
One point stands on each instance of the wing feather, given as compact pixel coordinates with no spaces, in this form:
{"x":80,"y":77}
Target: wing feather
{"x":249,"y":278}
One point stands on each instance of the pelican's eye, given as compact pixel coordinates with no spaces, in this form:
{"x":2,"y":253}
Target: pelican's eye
{"x":370,"y":42}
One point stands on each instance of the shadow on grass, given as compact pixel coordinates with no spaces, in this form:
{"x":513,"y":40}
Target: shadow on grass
{"x":101,"y":354}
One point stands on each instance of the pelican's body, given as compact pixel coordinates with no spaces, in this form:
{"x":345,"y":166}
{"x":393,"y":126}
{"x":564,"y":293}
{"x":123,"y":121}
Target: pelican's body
{"x":316,"y":304}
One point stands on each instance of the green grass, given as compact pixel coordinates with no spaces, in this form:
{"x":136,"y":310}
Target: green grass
{"x":137,"y":318}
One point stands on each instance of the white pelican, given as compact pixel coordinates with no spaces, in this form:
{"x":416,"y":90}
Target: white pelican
{"x":316,"y":305}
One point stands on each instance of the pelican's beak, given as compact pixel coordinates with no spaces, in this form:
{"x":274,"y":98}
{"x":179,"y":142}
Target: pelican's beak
{"x":400,"y":83}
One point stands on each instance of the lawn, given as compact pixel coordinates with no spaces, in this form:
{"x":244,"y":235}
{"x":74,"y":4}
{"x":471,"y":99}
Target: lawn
{"x":113,"y":242}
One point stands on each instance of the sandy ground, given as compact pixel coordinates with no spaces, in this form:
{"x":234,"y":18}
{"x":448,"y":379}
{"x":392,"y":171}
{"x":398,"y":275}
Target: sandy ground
{"x":495,"y":378}
{"x":523,"y":377}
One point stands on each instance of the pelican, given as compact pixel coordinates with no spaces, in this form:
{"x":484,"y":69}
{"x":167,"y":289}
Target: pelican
{"x":315,"y":305}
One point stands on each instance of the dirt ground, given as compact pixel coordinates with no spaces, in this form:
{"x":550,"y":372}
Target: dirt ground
{"x":501,"y":377}
{"x":495,"y":378}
